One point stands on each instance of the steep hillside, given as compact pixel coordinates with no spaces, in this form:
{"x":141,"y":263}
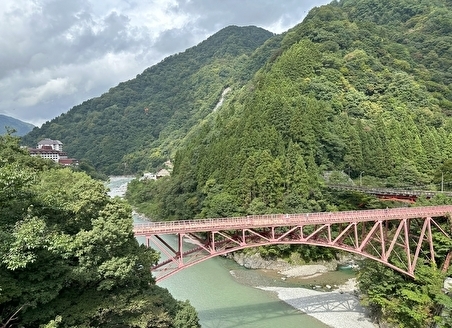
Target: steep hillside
{"x":138,"y":123}
{"x":357,"y":87}
{"x":360,"y":90}
{"x":21,"y":127}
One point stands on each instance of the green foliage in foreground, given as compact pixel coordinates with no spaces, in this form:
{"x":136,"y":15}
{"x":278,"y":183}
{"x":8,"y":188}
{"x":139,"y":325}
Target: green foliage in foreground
{"x":403,"y":302}
{"x":68,"y":256}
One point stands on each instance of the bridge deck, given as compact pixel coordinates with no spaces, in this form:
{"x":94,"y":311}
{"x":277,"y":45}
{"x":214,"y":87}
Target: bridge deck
{"x":276,"y":220}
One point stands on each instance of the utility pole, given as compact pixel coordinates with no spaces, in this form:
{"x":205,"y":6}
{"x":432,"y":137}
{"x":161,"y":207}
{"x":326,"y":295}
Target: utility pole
{"x":361,"y":178}
{"x":442,"y":181}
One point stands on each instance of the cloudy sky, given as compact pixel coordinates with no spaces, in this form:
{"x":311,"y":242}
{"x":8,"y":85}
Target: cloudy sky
{"x":54,"y":54}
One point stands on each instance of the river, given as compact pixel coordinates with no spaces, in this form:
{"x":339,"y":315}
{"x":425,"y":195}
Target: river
{"x":223,"y":294}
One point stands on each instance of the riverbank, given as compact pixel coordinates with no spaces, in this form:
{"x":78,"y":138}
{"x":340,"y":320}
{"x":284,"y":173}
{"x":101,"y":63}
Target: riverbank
{"x":334,"y":305}
{"x":338,"y":308}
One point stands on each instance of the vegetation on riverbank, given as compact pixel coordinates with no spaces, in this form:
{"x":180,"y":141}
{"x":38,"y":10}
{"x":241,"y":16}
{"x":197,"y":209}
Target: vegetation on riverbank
{"x":68,"y":256}
{"x":400,"y":301}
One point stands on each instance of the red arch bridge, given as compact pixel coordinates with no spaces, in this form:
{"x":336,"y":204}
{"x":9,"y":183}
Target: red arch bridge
{"x":399,"y":238}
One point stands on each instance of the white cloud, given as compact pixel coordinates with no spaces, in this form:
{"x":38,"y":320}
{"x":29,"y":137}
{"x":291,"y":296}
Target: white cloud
{"x":43,"y":93}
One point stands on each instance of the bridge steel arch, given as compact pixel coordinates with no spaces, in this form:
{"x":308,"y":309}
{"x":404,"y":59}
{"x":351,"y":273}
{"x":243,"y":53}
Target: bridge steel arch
{"x":398,"y":237}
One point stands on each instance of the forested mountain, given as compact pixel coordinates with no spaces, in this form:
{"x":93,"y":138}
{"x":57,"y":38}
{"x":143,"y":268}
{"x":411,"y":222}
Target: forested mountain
{"x":361,"y":87}
{"x":357,"y":87}
{"x":137,"y":124}
{"x":21,"y":128}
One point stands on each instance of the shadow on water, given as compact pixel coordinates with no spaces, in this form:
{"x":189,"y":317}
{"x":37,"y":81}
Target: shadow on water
{"x":327,"y":302}
{"x":258,"y":315}
{"x":222,"y":302}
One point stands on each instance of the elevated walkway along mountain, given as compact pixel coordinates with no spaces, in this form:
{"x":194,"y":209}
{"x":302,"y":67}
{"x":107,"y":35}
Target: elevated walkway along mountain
{"x":406,"y":195}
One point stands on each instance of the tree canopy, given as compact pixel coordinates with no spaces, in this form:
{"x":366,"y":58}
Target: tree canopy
{"x":68,"y":256}
{"x":343,"y":93}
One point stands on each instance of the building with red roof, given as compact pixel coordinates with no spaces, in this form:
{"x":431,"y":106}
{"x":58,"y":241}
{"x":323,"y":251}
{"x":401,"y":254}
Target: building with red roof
{"x":53,"y":150}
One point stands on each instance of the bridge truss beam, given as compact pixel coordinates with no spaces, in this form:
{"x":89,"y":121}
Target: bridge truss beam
{"x":391,"y":237}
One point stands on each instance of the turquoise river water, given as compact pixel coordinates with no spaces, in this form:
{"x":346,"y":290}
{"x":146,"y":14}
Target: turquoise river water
{"x":224,"y":295}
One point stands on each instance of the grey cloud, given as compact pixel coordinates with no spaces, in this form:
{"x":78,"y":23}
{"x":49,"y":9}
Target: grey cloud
{"x":54,"y":54}
{"x":28,"y":33}
{"x":64,"y":33}
{"x":175,"y":40}
{"x":247,"y":12}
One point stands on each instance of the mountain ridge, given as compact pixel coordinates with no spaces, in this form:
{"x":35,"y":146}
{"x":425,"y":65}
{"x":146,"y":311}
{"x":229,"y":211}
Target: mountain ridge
{"x":19,"y":126}
{"x":341,"y":93}
{"x":123,"y":130}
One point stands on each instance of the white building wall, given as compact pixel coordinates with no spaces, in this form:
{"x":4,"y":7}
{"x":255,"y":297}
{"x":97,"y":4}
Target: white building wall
{"x":55,"y":144}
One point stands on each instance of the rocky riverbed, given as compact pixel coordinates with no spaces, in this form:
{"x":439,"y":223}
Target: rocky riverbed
{"x":332,"y":300}
{"x":339,"y":308}
{"x":318,"y":275}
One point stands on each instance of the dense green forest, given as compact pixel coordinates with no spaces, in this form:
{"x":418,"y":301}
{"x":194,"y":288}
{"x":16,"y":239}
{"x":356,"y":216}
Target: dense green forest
{"x":359,"y":89}
{"x":344,"y":92}
{"x":138,"y":124}
{"x":68,"y":256}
